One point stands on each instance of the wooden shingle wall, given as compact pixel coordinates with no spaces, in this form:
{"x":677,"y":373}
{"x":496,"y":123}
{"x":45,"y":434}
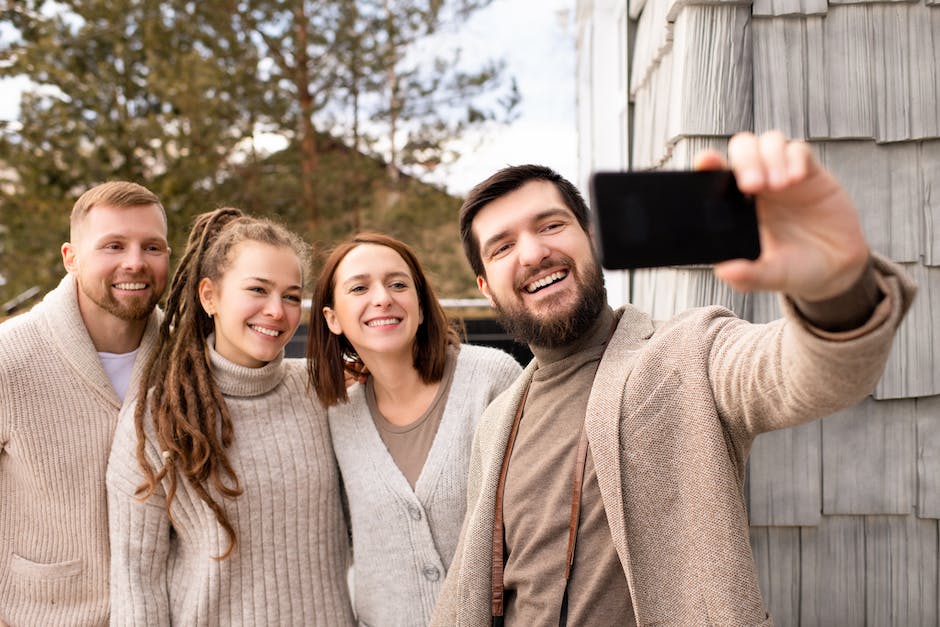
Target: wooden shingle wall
{"x":844,"y":511}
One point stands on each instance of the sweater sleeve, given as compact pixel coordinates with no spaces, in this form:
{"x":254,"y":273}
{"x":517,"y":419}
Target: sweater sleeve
{"x":139,"y":533}
{"x":767,"y":377}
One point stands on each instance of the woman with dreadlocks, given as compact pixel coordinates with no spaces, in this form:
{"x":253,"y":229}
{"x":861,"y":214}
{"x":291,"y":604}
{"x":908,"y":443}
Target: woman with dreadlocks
{"x":223,"y":492}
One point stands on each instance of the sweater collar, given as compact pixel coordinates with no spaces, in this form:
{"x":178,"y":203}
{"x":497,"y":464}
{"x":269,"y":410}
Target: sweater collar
{"x":67,"y":332}
{"x":235,"y":380}
{"x":596,"y":336}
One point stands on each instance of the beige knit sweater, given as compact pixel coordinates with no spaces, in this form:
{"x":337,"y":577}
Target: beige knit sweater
{"x":57,"y":413}
{"x":289,"y":565}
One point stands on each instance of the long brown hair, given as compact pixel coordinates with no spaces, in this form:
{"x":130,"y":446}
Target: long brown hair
{"x":327,"y":353}
{"x":192,"y":422}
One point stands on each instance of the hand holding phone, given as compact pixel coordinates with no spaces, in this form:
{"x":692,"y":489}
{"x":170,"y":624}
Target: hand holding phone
{"x":668,"y":218}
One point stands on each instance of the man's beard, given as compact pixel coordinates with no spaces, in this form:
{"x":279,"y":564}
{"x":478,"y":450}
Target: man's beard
{"x":564,"y":326}
{"x":131,"y":309}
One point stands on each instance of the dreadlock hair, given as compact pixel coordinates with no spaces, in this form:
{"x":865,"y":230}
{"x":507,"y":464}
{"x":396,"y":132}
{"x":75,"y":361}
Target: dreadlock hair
{"x":192,"y":422}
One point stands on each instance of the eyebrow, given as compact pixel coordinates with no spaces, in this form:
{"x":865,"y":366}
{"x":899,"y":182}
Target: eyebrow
{"x":364,"y":276}
{"x":104,"y":237}
{"x":547,"y":213}
{"x":270,"y":282}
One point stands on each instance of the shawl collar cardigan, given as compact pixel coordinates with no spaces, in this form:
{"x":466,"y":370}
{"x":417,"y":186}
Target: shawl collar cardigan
{"x":670,"y":422}
{"x":57,"y":416}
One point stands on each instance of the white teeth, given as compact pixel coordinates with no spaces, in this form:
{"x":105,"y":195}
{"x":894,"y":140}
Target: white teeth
{"x":548,"y":280}
{"x":130,"y":286}
{"x":264,"y":331}
{"x":384,"y":322}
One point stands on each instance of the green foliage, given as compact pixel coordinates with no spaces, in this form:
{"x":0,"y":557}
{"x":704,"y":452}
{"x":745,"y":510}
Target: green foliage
{"x":170,"y":93}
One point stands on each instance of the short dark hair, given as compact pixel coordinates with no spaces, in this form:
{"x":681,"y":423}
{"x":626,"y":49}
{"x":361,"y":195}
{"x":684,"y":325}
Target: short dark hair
{"x":326,"y":352}
{"x":507,"y":181}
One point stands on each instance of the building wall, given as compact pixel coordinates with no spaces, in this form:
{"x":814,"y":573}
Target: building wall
{"x":844,"y":511}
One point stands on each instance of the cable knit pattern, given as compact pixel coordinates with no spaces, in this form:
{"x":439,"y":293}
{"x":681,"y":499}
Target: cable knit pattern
{"x":404,"y":539}
{"x":289,"y":565}
{"x":670,"y":421}
{"x":57,"y":415}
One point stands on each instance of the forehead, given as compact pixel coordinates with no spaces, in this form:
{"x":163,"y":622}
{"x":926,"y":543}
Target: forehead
{"x":370,"y":260}
{"x":257,"y":259}
{"x":138,"y":222}
{"x":519,"y":209}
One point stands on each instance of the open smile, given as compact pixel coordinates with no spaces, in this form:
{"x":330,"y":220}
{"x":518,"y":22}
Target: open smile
{"x":545,"y":281}
{"x":383,"y":322}
{"x":265,"y":330}
{"x":130,"y":287}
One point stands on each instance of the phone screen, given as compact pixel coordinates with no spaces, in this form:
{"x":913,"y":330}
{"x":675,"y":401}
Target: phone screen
{"x":667,"y":218}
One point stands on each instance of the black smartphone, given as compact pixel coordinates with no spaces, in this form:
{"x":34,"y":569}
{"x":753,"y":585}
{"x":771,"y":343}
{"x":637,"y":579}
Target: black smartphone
{"x":670,"y":218}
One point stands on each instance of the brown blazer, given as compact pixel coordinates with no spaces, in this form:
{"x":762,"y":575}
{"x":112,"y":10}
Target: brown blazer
{"x":670,"y":421}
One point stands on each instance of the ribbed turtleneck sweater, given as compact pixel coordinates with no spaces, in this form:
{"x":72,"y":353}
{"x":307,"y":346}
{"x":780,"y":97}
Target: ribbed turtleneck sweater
{"x":288,"y":566}
{"x":58,"y":410}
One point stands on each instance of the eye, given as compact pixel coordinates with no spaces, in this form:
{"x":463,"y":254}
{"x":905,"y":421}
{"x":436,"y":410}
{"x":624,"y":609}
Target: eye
{"x":500,"y":250}
{"x":112,"y":246}
{"x":552,"y":226}
{"x":398,"y":285}
{"x":154,"y":248}
{"x":257,"y":289}
{"x":292,"y":298}
{"x":357,"y":289}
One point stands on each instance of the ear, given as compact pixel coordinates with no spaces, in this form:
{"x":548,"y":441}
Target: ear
{"x":207,"y":295}
{"x":485,"y":290}
{"x":332,"y":321}
{"x":68,"y":257}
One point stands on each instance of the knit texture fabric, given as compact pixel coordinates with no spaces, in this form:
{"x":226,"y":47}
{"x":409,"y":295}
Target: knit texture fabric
{"x":404,"y":539}
{"x":289,"y":564}
{"x":57,"y":415}
{"x":670,"y":421}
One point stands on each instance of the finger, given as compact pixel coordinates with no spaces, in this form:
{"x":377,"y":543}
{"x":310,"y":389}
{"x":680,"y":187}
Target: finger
{"x":744,"y":157}
{"x":749,"y":276}
{"x":708,"y":160}
{"x":773,"y":153}
{"x":800,"y":161}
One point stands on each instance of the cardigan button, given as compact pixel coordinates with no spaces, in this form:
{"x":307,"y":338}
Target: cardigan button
{"x":415,"y":512}
{"x":431,"y":573}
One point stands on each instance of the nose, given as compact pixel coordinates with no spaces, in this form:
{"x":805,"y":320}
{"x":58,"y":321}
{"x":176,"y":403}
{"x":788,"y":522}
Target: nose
{"x":531,"y":250}
{"x":380,"y":296}
{"x":274,"y":308}
{"x":133,"y":259}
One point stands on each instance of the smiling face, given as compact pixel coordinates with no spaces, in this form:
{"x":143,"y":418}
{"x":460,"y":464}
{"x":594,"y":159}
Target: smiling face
{"x":255,"y":304}
{"x":120,"y":259}
{"x":375,"y":303}
{"x":541,"y":274}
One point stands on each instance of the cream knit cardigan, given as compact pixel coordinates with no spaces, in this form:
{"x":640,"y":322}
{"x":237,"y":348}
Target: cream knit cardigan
{"x":289,"y":564}
{"x":404,"y":539}
{"x":57,"y":415}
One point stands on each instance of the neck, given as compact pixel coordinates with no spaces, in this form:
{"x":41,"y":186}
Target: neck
{"x":400,"y":393}
{"x":109,"y":333}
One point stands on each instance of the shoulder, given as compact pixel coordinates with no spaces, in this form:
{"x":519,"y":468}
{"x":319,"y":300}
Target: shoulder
{"x":22,"y":343}
{"x":297,"y":392}
{"x":487,"y":358}
{"x":697,"y":325}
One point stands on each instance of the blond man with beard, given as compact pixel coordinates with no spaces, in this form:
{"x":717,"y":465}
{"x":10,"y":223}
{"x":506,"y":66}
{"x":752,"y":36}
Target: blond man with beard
{"x":65,"y":368}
